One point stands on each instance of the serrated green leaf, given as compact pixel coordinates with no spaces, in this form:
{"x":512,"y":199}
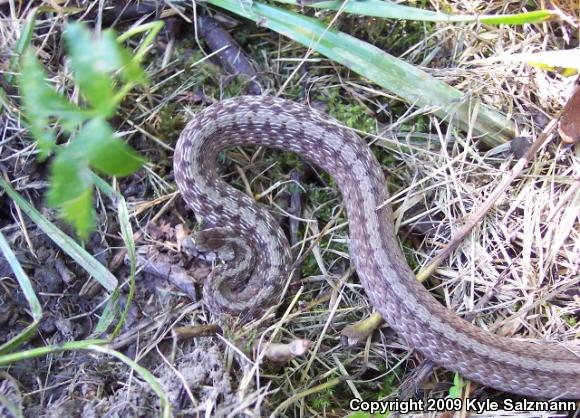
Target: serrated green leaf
{"x":71,"y":189}
{"x":71,"y":184}
{"x":41,"y":102}
{"x":131,"y":70}
{"x":40,"y":99}
{"x":92,"y":64}
{"x":70,"y":176}
{"x":116,"y":158}
{"x":104,"y":152}
{"x":79,"y":213}
{"x":45,"y":140}
{"x":93,"y":61}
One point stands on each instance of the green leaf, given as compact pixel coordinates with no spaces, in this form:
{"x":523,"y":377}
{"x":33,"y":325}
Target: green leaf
{"x":92,"y":65}
{"x":131,"y":71}
{"x":45,"y":139}
{"x":79,"y":213}
{"x":94,"y":61}
{"x":457,"y":388}
{"x":70,"y":176}
{"x":122,"y":59}
{"x":109,"y":314}
{"x":71,"y":184}
{"x":40,"y":99}
{"x":104,"y":152}
{"x":134,"y":72}
{"x":41,"y":102}
{"x":549,"y":60}
{"x":128,"y":239}
{"x":71,"y":189}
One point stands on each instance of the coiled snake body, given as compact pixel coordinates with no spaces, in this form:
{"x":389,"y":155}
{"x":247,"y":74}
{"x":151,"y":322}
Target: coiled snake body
{"x":534,"y":369}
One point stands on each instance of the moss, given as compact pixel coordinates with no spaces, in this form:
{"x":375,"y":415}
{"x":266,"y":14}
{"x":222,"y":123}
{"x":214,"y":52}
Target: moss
{"x":350,"y":113}
{"x":170,"y":120}
{"x":322,"y":400}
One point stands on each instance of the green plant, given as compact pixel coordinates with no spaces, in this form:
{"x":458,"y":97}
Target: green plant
{"x":91,"y":146}
{"x":390,"y":10}
{"x":91,"y":143}
{"x":456,"y":390}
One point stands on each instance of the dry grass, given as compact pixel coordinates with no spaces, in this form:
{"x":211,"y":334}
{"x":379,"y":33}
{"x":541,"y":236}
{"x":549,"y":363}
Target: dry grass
{"x":516,"y":273}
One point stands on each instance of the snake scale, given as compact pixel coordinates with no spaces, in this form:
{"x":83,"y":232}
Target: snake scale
{"x":238,"y":223}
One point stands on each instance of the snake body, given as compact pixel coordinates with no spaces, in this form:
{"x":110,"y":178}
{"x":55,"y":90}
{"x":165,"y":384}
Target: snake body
{"x":523,"y":367}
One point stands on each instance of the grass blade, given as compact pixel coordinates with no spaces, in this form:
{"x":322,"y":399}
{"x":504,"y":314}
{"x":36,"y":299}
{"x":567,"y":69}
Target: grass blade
{"x":66,"y":243}
{"x":127,"y":234}
{"x":94,"y":345}
{"x":568,"y":59}
{"x":394,"y":75}
{"x":21,"y":45}
{"x":29,"y":294}
{"x":145,"y":374}
{"x":389,"y":10}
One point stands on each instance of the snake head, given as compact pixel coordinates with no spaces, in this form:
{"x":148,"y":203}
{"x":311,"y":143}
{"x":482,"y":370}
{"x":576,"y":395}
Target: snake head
{"x":233,"y":258}
{"x":213,"y":244}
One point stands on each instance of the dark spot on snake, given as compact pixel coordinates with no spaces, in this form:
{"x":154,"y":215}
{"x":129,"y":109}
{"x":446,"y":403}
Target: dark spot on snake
{"x":283,"y":129}
{"x":348,"y":166}
{"x":336,"y":154}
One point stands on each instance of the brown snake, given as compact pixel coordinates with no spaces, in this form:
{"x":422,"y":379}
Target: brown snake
{"x":527,"y":368}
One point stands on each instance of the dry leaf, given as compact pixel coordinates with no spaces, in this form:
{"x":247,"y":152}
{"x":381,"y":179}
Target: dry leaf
{"x":569,"y":127}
